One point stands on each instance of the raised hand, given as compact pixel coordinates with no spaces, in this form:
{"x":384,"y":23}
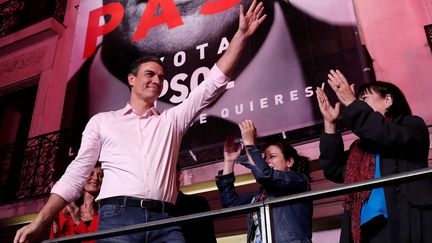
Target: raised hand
{"x":231,"y":153}
{"x":248,"y":132}
{"x":231,"y":150}
{"x":344,"y":91}
{"x":329,"y":113}
{"x":249,"y":22}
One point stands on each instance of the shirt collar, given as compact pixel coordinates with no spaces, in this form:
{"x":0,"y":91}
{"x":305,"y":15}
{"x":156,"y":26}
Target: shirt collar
{"x":128,"y":110}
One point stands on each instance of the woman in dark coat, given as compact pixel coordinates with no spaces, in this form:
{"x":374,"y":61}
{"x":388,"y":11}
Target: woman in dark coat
{"x":391,"y":140}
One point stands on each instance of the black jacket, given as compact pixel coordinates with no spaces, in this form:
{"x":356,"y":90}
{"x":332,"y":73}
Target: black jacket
{"x":403,"y":146}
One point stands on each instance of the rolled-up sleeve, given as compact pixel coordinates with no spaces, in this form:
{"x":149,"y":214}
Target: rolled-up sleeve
{"x":205,"y":93}
{"x":217,"y":76}
{"x":70,"y":184}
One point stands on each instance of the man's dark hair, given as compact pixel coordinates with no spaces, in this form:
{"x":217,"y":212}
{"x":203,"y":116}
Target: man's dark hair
{"x":134,"y":67}
{"x":399,"y":107}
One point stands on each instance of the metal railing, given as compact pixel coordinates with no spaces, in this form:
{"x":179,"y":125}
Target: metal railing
{"x":263,"y":206}
{"x":28,"y":167}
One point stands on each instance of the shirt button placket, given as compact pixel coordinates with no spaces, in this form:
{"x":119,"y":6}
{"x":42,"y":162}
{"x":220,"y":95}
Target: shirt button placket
{"x":140,"y":129}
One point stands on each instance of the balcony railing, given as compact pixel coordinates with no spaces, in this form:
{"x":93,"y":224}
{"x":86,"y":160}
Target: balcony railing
{"x":18,"y":14}
{"x":264,"y":208}
{"x":36,"y":174}
{"x":28,"y":167}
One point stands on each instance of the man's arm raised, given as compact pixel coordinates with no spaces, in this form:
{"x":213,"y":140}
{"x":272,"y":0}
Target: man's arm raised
{"x":248,"y":24}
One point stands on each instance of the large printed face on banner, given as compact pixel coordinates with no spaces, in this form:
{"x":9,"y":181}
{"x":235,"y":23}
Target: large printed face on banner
{"x":167,"y":27}
{"x":274,"y":82}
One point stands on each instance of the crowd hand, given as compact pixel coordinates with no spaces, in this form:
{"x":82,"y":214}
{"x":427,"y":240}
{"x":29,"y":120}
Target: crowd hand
{"x":249,"y":22}
{"x":231,"y":153}
{"x":344,"y":91}
{"x":248,"y":132}
{"x":74,"y":211}
{"x":329,"y":113}
{"x":231,"y":150}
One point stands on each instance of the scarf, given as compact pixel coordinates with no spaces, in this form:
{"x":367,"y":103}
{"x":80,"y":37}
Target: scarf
{"x":360,"y":166}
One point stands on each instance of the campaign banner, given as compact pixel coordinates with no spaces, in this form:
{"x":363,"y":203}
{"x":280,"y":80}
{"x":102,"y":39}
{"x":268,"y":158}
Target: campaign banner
{"x":273,"y":85}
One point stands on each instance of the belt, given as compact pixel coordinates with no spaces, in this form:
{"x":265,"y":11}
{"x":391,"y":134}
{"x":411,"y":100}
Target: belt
{"x":149,"y":204}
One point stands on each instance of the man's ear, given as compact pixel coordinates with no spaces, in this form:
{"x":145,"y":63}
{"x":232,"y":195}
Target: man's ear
{"x":290,"y":162}
{"x":131,"y":79}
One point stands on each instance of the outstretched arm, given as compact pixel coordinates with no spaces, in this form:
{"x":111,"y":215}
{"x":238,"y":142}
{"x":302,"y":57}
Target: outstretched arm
{"x":214,"y":84}
{"x":31,"y":232}
{"x":66,"y":188}
{"x":248,"y":24}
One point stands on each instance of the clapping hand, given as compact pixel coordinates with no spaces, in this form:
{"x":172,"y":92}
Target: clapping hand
{"x":248,"y":132}
{"x":329,"y":113}
{"x":344,"y":91}
{"x":231,"y":150}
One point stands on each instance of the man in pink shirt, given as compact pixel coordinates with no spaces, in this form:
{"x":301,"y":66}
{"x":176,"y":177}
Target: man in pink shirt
{"x":138,"y":147}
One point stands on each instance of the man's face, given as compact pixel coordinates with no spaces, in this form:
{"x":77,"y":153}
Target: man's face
{"x":148,"y":83}
{"x":195,"y":30}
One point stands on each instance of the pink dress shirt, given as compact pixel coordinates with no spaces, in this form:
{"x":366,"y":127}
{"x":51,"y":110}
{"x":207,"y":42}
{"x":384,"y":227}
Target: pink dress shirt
{"x":138,"y":153}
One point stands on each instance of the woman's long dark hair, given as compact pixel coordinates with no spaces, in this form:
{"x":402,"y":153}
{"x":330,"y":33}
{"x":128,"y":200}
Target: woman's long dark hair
{"x":301,"y":163}
{"x":399,"y":107}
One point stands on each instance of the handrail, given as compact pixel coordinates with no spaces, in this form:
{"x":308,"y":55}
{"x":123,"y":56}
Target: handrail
{"x":311,"y":195}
